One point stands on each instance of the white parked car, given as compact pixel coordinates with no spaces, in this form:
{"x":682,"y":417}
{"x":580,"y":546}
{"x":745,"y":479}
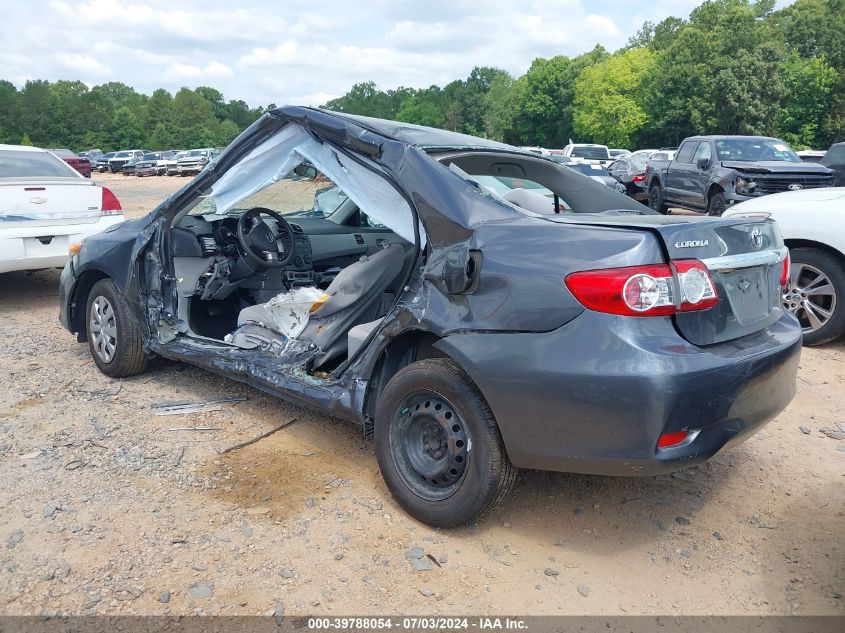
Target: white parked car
{"x":813,"y":226}
{"x":588,"y":153}
{"x":46,"y":207}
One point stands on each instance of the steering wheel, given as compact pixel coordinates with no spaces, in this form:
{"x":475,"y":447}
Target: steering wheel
{"x":259,"y":244}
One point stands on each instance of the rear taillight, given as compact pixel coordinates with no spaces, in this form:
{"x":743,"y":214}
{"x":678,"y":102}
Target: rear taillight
{"x":784,"y":271}
{"x":696,"y":286}
{"x":639,"y":178}
{"x":110,"y":204}
{"x":652,"y":290}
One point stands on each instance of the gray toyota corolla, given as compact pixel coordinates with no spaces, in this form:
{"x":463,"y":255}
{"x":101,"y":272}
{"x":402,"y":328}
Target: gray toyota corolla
{"x":475,"y":307}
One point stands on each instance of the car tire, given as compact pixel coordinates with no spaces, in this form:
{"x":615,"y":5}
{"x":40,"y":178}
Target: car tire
{"x":815,"y":269}
{"x":717,"y":204}
{"x":114,"y":338}
{"x":655,"y":199}
{"x":438,"y":445}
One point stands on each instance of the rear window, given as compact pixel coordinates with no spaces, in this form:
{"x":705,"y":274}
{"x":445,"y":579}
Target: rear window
{"x":17,"y":164}
{"x":64,"y":153}
{"x":591,"y":153}
{"x":151,"y":156}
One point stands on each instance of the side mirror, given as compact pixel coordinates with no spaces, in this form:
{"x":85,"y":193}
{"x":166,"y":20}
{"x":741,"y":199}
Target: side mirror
{"x":703,"y":163}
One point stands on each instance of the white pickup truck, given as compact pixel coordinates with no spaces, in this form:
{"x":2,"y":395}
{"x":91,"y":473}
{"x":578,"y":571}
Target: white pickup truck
{"x":46,"y":207}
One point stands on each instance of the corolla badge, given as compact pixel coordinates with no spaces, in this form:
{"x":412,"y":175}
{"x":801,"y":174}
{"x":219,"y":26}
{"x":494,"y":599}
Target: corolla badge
{"x":692,"y":244}
{"x":795,"y":187}
{"x":37,"y":200}
{"x":756,"y":238}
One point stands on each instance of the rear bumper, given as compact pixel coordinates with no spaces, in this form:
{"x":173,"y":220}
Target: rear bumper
{"x":21,"y":248}
{"x":594,"y":396}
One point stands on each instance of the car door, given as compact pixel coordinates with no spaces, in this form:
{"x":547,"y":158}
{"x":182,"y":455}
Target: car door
{"x":702,"y":160}
{"x":681,"y":174}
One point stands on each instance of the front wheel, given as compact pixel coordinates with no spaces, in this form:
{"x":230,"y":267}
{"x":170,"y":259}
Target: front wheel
{"x":655,"y":199}
{"x":114,"y":338}
{"x":717,"y":205}
{"x":438,"y":445}
{"x":816,"y":287}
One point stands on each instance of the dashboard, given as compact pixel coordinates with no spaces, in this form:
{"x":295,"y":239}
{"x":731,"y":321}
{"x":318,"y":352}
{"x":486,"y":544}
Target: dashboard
{"x":323,"y":248}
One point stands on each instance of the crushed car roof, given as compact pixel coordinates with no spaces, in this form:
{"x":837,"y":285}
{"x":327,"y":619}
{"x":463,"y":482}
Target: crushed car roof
{"x":409,"y":133}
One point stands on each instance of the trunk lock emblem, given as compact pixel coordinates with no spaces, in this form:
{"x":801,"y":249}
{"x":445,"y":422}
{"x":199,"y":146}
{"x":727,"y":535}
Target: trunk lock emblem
{"x":37,"y":200}
{"x":756,"y":238}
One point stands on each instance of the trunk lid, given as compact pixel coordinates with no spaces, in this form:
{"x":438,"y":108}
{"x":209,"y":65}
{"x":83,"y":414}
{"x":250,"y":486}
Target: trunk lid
{"x":744,"y":257}
{"x":48,"y":202}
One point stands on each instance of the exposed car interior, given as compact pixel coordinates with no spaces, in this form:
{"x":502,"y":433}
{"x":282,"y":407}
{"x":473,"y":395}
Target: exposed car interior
{"x":302,"y":231}
{"x":278,"y":222}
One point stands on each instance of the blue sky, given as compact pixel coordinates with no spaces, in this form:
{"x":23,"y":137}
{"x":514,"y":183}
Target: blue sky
{"x":304,"y":52}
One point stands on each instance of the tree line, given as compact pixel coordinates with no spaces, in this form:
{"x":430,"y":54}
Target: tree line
{"x":114,"y":116}
{"x":733,"y":67}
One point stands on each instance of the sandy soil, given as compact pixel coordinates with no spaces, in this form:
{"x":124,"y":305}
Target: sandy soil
{"x":108,"y":508}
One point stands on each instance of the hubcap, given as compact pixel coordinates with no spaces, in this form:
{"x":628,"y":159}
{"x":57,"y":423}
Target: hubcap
{"x":810,"y":296}
{"x":430,"y":445}
{"x":103,"y":329}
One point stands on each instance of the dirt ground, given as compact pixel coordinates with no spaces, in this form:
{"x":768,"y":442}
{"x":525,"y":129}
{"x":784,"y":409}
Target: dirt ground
{"x":107,"y":508}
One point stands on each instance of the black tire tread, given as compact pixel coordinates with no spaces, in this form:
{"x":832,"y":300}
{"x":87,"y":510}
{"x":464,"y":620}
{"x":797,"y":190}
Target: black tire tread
{"x":130,"y":356}
{"x":834,"y":268}
{"x":502,"y":473}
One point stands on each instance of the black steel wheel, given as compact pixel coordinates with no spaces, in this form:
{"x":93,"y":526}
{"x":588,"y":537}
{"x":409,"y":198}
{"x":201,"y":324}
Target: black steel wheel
{"x":429,"y":443}
{"x":438,"y":445}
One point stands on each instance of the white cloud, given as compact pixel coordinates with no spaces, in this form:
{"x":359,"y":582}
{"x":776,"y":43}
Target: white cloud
{"x":82,"y":64}
{"x":300,"y":52}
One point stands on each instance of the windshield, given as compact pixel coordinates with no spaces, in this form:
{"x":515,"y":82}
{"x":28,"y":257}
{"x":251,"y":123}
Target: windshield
{"x":123,"y":155}
{"x":590,"y":152}
{"x":304,"y":192}
{"x":197,"y":152}
{"x":743,"y":149}
{"x":22,"y":164}
{"x":151,"y":156}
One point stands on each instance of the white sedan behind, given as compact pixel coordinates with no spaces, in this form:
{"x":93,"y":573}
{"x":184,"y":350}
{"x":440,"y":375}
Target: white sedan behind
{"x":46,"y":207}
{"x":813,"y":226}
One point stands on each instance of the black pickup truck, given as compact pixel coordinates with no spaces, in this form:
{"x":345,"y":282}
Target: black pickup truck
{"x":710,"y":173}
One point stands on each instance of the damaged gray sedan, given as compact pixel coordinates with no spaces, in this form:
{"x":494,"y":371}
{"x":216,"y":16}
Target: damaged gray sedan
{"x":477,"y":308}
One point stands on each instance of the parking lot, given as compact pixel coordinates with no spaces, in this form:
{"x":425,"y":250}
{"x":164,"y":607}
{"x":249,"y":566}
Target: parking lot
{"x":111,"y":509}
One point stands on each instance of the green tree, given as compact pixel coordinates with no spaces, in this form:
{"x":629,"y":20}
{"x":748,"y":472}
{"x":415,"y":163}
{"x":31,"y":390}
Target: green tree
{"x":125,"y":132}
{"x":421,"y":109}
{"x":809,"y":84}
{"x":9,"y":130}
{"x":25,"y":140}
{"x":498,"y":110}
{"x":226,"y":133}
{"x":608,"y":96}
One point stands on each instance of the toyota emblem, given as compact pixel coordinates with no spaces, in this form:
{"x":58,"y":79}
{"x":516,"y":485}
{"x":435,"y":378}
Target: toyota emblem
{"x":756,"y":238}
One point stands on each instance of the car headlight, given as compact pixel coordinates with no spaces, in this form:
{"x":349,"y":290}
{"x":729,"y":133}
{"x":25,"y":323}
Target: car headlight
{"x":745,"y":185}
